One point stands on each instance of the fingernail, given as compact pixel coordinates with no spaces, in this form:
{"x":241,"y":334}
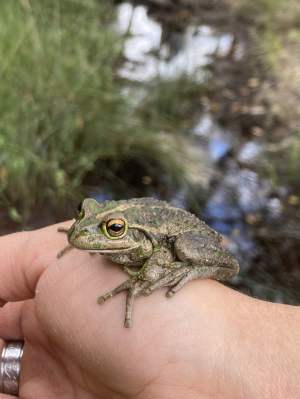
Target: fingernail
{"x":2,"y":303}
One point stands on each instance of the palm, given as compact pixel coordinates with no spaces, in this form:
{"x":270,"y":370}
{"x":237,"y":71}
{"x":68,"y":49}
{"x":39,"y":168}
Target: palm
{"x":78,"y":345}
{"x":46,"y":373}
{"x":77,"y":348}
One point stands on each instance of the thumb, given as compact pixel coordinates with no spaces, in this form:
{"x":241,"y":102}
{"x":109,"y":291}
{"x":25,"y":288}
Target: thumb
{"x":23,"y":258}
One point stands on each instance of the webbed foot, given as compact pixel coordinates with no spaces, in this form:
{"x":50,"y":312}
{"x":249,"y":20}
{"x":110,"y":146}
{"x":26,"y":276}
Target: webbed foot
{"x":134,"y":286}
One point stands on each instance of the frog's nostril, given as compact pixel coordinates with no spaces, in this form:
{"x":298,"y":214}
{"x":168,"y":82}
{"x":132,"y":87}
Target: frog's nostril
{"x":84,"y":232}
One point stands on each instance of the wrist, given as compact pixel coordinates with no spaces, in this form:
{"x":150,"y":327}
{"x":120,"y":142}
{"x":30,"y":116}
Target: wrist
{"x":265,"y":350}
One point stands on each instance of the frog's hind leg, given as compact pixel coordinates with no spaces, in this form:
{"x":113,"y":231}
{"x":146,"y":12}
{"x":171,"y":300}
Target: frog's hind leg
{"x":201,"y":272}
{"x":203,"y":259}
{"x":182,"y":274}
{"x":173,"y":275}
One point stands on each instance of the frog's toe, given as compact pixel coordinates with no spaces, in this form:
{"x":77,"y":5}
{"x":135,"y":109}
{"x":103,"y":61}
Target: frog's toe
{"x":131,"y":273}
{"x":122,"y":287}
{"x":101,"y":300}
{"x":147,"y":291}
{"x":128,"y":323}
{"x":170,"y":293}
{"x":185,"y":278}
{"x":104,"y":298}
{"x":63,"y":230}
{"x":64,"y":251}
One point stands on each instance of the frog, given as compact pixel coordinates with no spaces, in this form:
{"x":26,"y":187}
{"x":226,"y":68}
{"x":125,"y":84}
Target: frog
{"x":157,"y":244}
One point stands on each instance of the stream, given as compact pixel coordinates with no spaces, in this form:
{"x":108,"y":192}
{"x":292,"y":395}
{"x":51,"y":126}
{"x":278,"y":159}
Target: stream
{"x":239,"y":202}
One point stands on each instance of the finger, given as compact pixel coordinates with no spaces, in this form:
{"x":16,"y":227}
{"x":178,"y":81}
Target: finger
{"x":10,"y":321}
{"x":23,"y":258}
{"x":2,"y":395}
{"x":2,"y":303}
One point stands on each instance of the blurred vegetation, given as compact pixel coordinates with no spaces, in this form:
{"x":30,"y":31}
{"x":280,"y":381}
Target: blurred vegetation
{"x":66,"y":115}
{"x":172,"y":104}
{"x":292,"y":164}
{"x":282,"y":163}
{"x":70,"y":126}
{"x":272,"y":23}
{"x":63,"y":110}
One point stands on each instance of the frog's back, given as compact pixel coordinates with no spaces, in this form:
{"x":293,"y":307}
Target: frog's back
{"x":162,"y":216}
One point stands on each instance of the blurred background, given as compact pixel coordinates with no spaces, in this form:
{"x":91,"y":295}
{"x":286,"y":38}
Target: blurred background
{"x":193,"y":101}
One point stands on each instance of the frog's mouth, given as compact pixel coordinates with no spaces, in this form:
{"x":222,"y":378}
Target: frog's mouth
{"x":112,"y":251}
{"x":91,"y":244}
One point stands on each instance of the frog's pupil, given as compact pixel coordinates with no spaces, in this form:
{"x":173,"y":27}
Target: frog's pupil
{"x":116,"y":227}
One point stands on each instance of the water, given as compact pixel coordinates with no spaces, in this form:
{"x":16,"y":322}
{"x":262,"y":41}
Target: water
{"x":241,"y":191}
{"x":148,"y":56}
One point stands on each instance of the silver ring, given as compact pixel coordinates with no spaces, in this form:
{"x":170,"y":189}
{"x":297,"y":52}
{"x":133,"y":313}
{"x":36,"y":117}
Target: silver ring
{"x":10,"y":367}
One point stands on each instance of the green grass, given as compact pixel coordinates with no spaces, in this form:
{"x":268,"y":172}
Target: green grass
{"x":172,"y":104}
{"x":62,"y":110}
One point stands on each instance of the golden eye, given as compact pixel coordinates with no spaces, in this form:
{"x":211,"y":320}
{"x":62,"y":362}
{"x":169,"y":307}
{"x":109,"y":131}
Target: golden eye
{"x":115,"y":227}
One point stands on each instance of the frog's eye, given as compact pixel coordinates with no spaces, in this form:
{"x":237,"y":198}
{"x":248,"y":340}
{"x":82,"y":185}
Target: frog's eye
{"x":80,"y":211}
{"x":116,"y":228}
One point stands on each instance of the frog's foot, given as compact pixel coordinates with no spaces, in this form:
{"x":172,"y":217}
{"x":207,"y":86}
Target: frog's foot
{"x":169,"y":279}
{"x":186,"y":277}
{"x":134,"y":286}
{"x":131,"y":272}
{"x":63,"y":230}
{"x":200,"y":272}
{"x":177,"y":277}
{"x":122,"y":287}
{"x":129,"y":308}
{"x":61,"y":253}
{"x":64,"y":251}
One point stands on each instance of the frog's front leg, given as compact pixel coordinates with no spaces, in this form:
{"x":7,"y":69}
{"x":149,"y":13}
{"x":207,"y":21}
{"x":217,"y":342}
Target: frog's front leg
{"x":152,"y":270}
{"x":132,"y":273}
{"x":134,"y":286}
{"x":67,"y":248}
{"x":122,"y":287}
{"x":63,"y":229}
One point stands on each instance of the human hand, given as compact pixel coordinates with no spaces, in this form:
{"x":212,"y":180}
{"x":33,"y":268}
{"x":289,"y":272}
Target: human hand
{"x":208,"y":341}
